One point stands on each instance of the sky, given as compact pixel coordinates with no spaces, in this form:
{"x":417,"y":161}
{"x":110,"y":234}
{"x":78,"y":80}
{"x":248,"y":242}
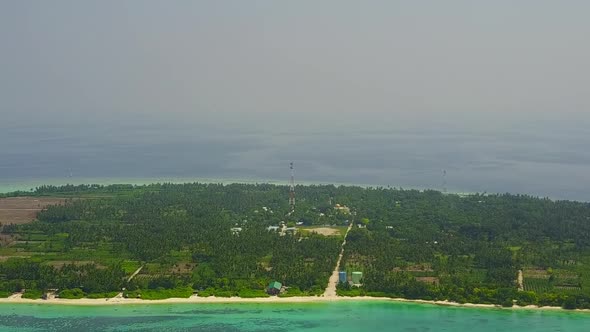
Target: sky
{"x":297,"y":64}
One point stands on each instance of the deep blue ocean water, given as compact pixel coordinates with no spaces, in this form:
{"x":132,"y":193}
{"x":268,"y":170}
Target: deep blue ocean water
{"x":540,"y":162}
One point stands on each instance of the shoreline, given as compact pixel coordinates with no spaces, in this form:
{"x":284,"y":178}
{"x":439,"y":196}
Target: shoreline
{"x":262,"y":300}
{"x":7,"y":187}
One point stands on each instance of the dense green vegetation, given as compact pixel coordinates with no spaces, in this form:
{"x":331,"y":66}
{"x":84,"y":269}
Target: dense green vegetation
{"x":181,"y":236}
{"x":214,"y":240}
{"x":468,"y":249}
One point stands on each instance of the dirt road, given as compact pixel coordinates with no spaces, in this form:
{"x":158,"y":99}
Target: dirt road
{"x":333,"y":281}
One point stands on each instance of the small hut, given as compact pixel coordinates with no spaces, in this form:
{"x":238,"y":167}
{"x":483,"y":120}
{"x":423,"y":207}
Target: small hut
{"x":274,"y":288}
{"x":356,"y":277}
{"x":50,"y":294}
{"x":342,"y":277}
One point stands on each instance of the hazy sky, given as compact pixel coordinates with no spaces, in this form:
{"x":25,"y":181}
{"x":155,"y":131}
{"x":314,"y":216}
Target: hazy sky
{"x":296,"y":63}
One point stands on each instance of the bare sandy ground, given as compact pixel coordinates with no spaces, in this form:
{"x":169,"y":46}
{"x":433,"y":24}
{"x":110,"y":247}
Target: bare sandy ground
{"x":120,"y":300}
{"x":21,"y":210}
{"x":301,"y":299}
{"x":326,"y":231}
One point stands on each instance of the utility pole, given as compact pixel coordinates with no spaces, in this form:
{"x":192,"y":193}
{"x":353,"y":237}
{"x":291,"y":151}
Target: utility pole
{"x":292,"y":188}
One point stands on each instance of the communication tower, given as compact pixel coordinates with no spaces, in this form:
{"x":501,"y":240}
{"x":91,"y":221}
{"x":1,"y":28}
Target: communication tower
{"x":292,"y":187}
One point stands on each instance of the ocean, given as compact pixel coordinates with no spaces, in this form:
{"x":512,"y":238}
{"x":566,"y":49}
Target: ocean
{"x":338,"y":316}
{"x":540,"y":161}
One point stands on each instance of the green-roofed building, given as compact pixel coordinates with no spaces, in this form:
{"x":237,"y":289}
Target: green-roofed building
{"x":274,"y":288}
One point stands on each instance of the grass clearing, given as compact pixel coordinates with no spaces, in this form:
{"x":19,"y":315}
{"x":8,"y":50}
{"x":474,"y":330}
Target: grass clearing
{"x":537,"y":285}
{"x":130,"y":266}
{"x":325,"y":230}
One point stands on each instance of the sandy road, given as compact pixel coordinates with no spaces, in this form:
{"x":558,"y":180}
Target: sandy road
{"x":135,"y":273}
{"x":333,"y":281}
{"x":520,"y":281}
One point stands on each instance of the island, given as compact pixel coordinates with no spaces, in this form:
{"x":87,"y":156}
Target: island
{"x":207,"y":242}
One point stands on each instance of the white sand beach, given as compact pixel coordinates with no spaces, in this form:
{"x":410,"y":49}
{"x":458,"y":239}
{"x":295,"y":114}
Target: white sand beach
{"x":119,"y":300}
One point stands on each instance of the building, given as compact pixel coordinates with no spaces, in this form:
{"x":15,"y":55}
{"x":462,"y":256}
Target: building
{"x":50,"y":294}
{"x":356,"y":277}
{"x":342,"y":208}
{"x":342,"y":276}
{"x":274,"y":288}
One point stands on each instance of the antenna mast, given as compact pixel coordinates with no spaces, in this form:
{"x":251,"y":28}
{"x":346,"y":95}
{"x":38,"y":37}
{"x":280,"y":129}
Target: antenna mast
{"x":292,"y":188}
{"x":444,"y":181}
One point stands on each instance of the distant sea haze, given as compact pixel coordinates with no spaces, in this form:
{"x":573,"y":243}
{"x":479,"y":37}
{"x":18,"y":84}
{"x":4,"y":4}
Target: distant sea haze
{"x":547,"y":164}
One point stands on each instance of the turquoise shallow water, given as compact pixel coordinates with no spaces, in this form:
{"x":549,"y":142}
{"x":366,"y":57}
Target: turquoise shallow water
{"x":341,"y":316}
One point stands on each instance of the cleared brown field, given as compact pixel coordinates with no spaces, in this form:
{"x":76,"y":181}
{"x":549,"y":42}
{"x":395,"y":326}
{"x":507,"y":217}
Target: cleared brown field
{"x":536,"y":273}
{"x":183,"y":268}
{"x":326,"y":231}
{"x":60,"y":264}
{"x":21,"y":210}
{"x":429,"y":280}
